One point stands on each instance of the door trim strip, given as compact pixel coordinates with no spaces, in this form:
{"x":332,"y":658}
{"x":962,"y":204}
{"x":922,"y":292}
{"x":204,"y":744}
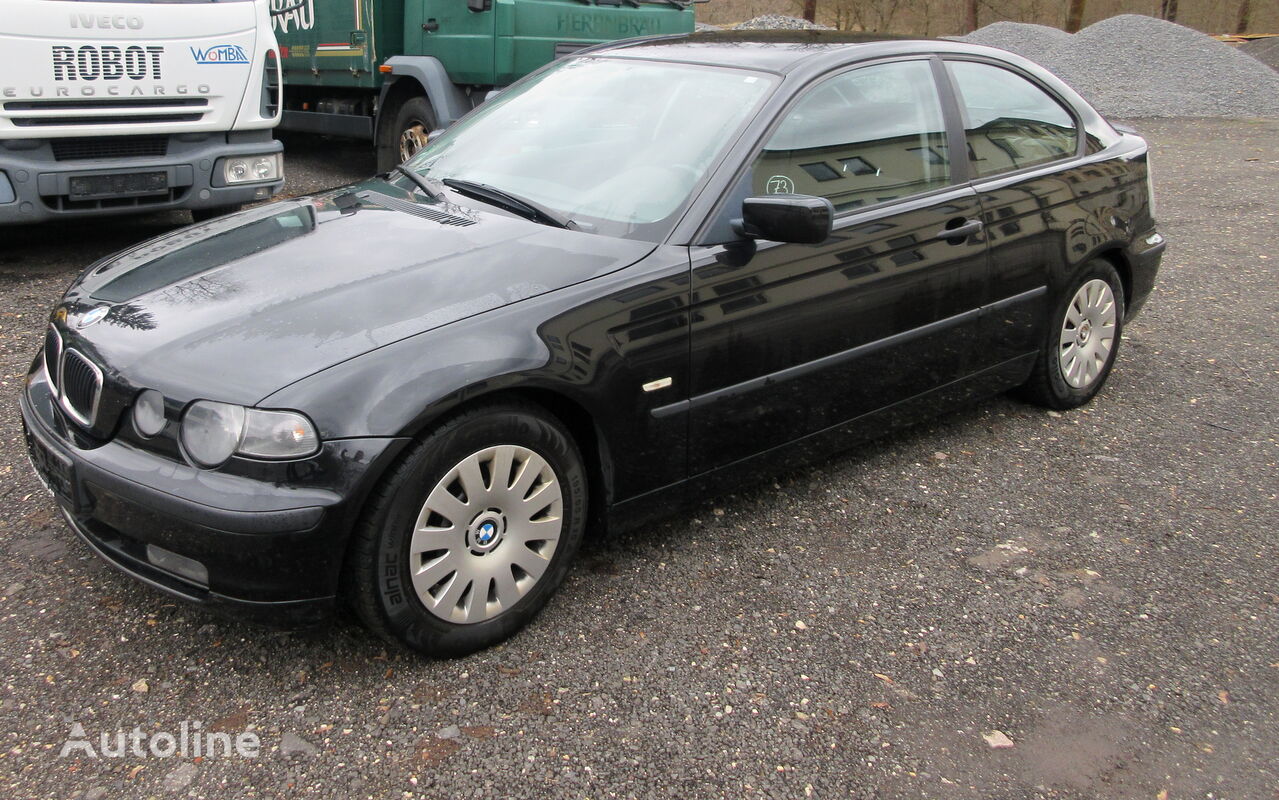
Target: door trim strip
{"x":834,"y":359}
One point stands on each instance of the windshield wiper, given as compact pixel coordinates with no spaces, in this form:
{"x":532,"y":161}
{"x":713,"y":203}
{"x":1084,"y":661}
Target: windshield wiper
{"x":511,"y":202}
{"x":431,"y":191}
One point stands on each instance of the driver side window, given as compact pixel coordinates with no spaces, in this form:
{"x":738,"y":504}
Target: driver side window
{"x":867,"y":136}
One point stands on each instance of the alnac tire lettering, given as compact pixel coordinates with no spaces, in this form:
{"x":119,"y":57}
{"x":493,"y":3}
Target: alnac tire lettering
{"x":110,"y":63}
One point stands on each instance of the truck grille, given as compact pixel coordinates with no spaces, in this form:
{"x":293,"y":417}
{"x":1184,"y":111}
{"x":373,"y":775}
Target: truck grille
{"x":81,"y":387}
{"x":52,"y":352}
{"x":63,"y":204}
{"x":123,"y":111}
{"x":109,"y":147}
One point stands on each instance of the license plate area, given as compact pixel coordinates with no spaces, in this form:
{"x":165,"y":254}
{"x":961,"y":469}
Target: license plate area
{"x":55,"y":471}
{"x":92,"y":187}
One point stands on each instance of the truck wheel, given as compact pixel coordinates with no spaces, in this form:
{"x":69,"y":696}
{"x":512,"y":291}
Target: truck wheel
{"x":413,"y":123}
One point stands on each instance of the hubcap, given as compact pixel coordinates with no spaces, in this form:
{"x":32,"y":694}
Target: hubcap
{"x":1088,"y":334}
{"x":412,"y":139}
{"x":486,"y":534}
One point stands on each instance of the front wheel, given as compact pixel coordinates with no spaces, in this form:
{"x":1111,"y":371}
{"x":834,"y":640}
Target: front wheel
{"x":1082,"y":340}
{"x":472,"y":533}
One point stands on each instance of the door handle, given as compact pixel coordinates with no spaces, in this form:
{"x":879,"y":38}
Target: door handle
{"x":959,"y":232}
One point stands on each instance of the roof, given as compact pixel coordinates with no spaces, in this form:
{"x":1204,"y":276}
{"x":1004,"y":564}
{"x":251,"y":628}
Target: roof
{"x":773,"y":50}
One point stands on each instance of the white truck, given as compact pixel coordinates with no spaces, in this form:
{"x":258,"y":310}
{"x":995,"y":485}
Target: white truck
{"x":136,"y":105}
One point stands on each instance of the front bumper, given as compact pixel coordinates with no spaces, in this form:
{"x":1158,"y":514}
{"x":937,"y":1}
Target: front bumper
{"x":35,"y":186}
{"x":269,"y":552}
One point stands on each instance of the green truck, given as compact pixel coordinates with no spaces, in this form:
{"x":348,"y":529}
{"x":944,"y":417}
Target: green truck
{"x":392,"y":71}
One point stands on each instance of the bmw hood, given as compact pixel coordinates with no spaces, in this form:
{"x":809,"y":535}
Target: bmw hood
{"x":247,"y":304}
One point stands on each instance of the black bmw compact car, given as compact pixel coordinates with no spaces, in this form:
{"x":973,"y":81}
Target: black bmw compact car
{"x":638,"y":276}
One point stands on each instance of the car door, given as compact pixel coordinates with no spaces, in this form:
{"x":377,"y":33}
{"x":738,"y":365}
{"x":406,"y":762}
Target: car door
{"x":1021,"y":141}
{"x":790,"y":339}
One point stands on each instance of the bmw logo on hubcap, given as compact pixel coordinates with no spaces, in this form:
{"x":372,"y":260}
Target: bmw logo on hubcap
{"x":485,"y":532}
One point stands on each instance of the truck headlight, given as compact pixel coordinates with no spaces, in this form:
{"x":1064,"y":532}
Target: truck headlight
{"x":213,"y":432}
{"x":251,"y":169}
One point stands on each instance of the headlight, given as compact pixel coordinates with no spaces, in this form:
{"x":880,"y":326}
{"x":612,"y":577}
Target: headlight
{"x":277,"y":434}
{"x":148,"y":413}
{"x":213,"y":432}
{"x":251,"y":169}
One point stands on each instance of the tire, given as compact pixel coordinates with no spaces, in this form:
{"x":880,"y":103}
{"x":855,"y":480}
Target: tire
{"x":206,"y":214}
{"x":1082,"y":340}
{"x":511,"y":566}
{"x":414,"y":119}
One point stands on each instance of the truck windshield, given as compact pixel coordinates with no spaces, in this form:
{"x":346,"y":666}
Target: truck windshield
{"x":615,"y":145}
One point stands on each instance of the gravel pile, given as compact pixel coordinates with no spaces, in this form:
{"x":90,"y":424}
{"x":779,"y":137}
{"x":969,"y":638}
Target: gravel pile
{"x":779,"y":22}
{"x":1264,"y":50}
{"x":1137,"y":66}
{"x":699,"y":27}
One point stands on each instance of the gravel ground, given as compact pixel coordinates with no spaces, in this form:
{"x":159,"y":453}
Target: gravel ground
{"x":1096,"y":586}
{"x":1138,"y":66}
{"x":779,"y":22}
{"x":1264,"y":50}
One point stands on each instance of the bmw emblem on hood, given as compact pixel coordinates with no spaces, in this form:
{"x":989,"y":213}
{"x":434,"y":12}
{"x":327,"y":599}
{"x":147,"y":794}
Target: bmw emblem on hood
{"x":94,"y":315}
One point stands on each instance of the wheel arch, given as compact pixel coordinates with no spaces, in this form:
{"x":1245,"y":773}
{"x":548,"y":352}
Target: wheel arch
{"x":420,"y":76}
{"x":591,"y":441}
{"x":1117,"y":258}
{"x":580,"y":423}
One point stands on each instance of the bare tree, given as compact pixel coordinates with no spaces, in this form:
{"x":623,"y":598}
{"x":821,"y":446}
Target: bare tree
{"x":810,"y":10}
{"x":1168,"y":10}
{"x":876,"y":15}
{"x":1245,"y":16}
{"x":1074,"y":16}
{"x":970,"y":16}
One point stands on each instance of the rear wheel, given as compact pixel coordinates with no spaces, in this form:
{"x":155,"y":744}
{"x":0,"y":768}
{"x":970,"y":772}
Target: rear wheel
{"x":1082,"y":340}
{"x":408,"y":133}
{"x":471,"y":535}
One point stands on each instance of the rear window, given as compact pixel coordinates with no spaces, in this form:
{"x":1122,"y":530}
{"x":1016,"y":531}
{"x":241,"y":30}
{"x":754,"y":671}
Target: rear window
{"x":1010,"y":122}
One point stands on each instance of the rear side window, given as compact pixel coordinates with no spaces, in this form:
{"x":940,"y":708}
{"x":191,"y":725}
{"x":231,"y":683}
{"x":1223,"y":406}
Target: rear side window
{"x":1010,"y":122}
{"x":868,"y":136}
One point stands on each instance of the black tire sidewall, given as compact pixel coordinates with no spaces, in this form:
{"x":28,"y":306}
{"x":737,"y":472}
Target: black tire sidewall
{"x":414,"y":109}
{"x":1065,"y":395}
{"x":405,"y":616}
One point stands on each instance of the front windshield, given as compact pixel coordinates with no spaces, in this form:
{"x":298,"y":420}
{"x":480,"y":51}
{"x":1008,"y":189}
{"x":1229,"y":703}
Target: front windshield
{"x":615,"y":145}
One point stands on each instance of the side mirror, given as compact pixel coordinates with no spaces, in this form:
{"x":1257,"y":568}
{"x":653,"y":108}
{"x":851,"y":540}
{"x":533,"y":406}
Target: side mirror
{"x":792,"y":218}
